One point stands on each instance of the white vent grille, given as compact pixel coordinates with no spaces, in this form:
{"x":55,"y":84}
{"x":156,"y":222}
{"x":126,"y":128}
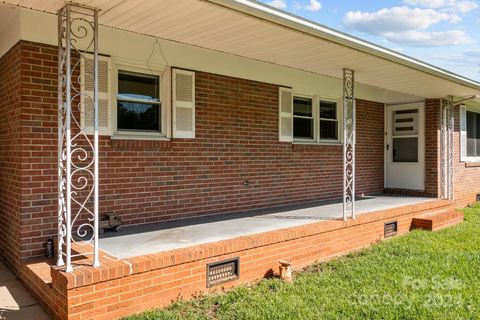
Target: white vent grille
{"x":183,"y":87}
{"x":103,"y":95}
{"x":102,"y":75}
{"x":183,"y":118}
{"x":285,"y":101}
{"x":285,"y":127}
{"x":102,"y":112}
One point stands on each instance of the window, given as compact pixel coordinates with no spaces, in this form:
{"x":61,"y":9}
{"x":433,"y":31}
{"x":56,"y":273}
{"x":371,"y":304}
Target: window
{"x":328,"y":121}
{"x":469,"y":134}
{"x":302,"y":118}
{"x":138,"y":102}
{"x":473,"y":134}
{"x":405,"y":135}
{"x":316,"y":124}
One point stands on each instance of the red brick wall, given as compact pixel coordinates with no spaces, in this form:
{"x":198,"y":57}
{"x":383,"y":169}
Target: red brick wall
{"x":467,"y":176}
{"x":39,"y":151}
{"x":149,"y":181}
{"x":370,"y":147}
{"x":10,"y":155}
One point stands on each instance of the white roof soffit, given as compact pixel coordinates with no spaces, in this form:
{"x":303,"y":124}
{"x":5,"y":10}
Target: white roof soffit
{"x":256,"y":31}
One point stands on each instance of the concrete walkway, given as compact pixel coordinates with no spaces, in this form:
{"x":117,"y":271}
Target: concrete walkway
{"x":16,"y":303}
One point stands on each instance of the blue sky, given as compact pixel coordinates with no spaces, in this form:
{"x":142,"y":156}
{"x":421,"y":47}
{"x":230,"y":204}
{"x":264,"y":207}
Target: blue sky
{"x":445,"y":33}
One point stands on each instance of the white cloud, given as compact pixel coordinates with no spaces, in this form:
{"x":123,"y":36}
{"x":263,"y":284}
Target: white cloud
{"x":429,"y":39}
{"x":407,"y":26}
{"x":469,"y":58}
{"x":466,"y":6}
{"x":461,"y":6}
{"x":279,"y":4}
{"x":434,"y":4}
{"x":455,"y":18}
{"x":396,"y":19}
{"x":314,"y":5}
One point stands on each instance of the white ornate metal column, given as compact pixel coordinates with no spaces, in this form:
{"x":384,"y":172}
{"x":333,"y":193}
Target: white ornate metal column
{"x":77,"y":143}
{"x":348,"y":143}
{"x":447,"y":152}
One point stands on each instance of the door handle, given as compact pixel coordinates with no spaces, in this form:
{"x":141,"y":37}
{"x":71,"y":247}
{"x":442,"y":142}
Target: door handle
{"x":388,"y":147}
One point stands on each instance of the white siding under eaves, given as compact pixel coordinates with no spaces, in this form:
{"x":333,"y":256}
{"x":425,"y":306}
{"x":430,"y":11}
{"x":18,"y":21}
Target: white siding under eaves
{"x":135,"y":49}
{"x":273,"y":38}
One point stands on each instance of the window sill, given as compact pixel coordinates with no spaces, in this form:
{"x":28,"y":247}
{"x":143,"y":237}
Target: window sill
{"x":321,"y":143}
{"x":136,"y":136}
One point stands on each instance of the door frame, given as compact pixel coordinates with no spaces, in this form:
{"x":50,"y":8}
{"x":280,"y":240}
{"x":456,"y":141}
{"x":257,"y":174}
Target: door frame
{"x":421,"y":139}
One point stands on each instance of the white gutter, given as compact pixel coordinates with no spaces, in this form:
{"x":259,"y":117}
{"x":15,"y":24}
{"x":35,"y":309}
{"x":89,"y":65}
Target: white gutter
{"x":279,"y":17}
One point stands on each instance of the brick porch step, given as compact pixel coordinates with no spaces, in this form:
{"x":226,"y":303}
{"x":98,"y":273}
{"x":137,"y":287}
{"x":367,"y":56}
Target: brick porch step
{"x":433,"y":221}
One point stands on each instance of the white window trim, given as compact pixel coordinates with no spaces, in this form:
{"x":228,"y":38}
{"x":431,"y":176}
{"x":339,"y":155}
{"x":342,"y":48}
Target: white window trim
{"x":466,"y":158}
{"x":159,"y":71}
{"x":316,"y":121}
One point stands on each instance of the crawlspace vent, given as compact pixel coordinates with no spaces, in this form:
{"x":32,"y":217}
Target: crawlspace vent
{"x":223,"y":271}
{"x":390,"y":229}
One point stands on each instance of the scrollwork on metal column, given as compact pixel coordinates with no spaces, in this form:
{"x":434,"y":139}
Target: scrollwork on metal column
{"x":348,"y":143}
{"x":447,"y":152}
{"x":77,"y":142}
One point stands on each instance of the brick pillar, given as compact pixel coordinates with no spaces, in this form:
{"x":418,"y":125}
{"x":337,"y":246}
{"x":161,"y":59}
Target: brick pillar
{"x":432,"y":147}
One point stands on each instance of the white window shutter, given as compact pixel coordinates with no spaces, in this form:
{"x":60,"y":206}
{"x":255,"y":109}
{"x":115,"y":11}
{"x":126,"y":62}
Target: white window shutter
{"x":104,"y":84}
{"x":285,"y":114}
{"x":183,"y":85}
{"x":463,"y":133}
{"x":166,"y":98}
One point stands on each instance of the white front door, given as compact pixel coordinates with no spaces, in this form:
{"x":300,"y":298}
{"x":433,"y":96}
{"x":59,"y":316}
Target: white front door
{"x":405,"y":146}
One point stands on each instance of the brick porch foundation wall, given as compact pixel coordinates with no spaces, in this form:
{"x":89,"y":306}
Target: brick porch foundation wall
{"x":152,"y":181}
{"x":122,"y":287}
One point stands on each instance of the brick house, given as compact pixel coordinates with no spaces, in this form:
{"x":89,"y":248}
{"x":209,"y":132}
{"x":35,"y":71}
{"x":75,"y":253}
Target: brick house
{"x":225,"y":139}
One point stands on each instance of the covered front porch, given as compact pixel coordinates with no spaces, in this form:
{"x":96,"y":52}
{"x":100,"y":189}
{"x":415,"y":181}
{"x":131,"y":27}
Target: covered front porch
{"x":155,"y":238}
{"x":152,"y":265}
{"x":148,"y":265}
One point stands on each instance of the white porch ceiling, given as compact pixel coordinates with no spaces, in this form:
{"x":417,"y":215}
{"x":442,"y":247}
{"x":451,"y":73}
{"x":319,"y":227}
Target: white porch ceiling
{"x":253,"y":31}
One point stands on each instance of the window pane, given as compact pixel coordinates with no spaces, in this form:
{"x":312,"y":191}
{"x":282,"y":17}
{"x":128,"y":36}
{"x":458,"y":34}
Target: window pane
{"x":405,"y":149}
{"x":328,"y":130}
{"x":303,"y":128}
{"x":137,"y":86}
{"x":328,"y":110}
{"x":138,"y":116}
{"x":302,"y":107}
{"x":472,"y":134}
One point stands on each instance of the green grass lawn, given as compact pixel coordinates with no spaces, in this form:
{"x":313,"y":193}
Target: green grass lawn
{"x":421,"y":275}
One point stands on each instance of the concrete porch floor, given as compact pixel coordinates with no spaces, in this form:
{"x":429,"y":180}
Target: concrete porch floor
{"x":16,"y":303}
{"x":154,"y":238}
